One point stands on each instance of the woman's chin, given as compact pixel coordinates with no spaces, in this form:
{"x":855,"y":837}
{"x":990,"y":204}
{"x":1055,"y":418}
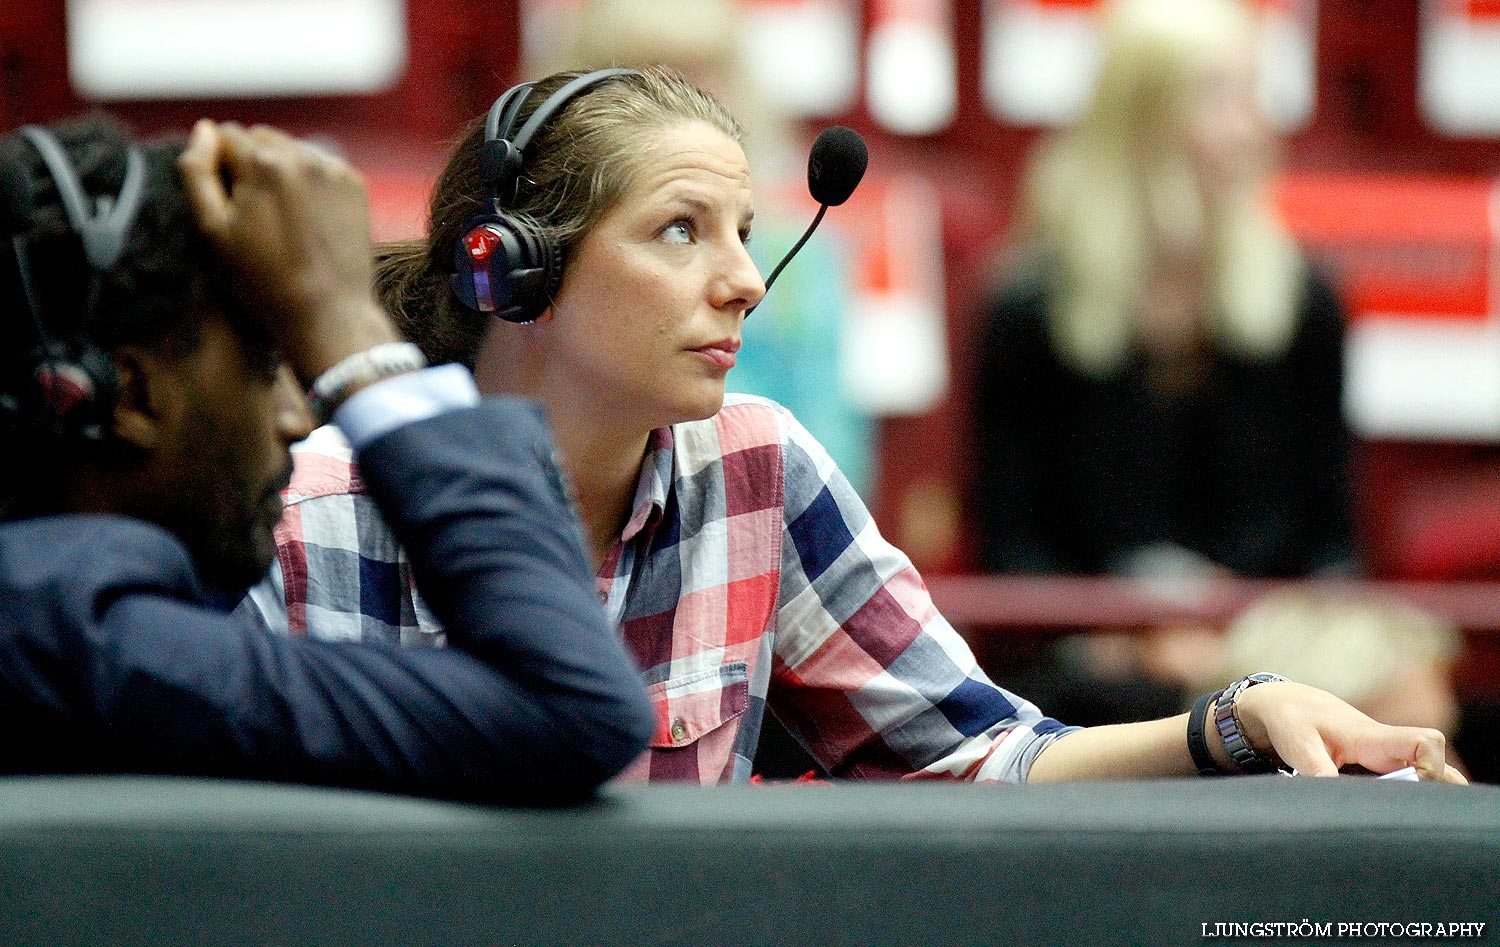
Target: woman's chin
{"x":703,"y":404}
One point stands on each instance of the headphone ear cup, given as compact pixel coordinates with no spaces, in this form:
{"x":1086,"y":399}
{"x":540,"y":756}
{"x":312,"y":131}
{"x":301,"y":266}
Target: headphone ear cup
{"x":505,"y":267}
{"x":72,"y":398}
{"x":99,"y":368}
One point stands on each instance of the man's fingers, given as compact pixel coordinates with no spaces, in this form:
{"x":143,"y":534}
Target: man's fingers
{"x":200,"y":165}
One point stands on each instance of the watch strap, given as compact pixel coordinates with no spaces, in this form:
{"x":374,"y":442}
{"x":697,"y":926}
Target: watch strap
{"x":1197,"y":736}
{"x":1245,"y":757}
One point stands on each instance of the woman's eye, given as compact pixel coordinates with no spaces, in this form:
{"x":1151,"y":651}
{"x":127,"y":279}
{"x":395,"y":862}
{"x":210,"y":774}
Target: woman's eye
{"x":678,"y":231}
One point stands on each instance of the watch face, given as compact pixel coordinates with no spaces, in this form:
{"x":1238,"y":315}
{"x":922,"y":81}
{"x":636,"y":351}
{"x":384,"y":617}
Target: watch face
{"x":1265,"y":677}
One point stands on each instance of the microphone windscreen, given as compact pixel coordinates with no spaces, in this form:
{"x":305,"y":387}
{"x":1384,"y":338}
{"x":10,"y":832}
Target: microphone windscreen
{"x":836,"y":164}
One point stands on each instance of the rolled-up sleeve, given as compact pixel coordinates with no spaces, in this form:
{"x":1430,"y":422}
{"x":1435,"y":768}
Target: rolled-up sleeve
{"x":869,"y":675}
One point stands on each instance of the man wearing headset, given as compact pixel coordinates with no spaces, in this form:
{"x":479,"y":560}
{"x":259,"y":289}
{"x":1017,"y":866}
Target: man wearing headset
{"x":157,"y":307}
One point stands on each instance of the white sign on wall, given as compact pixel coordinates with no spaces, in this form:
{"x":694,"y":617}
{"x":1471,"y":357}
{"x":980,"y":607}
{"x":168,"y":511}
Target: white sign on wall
{"x":804,"y":54}
{"x":912,"y":71}
{"x":183,"y":49}
{"x":1459,"y":66}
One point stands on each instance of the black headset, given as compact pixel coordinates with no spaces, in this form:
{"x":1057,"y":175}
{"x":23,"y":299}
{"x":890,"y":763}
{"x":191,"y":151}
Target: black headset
{"x":69,"y":388}
{"x":502,"y":263}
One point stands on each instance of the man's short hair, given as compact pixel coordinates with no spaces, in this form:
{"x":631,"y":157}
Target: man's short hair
{"x":155,"y":294}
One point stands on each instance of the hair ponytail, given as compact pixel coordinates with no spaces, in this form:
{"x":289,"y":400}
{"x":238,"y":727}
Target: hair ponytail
{"x":416,"y":295}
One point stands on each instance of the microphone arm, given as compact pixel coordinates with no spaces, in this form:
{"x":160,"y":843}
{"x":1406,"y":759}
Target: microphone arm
{"x":822,"y":209}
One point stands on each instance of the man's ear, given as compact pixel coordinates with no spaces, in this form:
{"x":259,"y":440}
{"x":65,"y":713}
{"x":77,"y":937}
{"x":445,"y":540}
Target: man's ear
{"x":151,"y":398}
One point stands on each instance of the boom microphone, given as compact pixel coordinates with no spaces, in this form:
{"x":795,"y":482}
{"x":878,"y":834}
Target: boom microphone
{"x":834,"y":167}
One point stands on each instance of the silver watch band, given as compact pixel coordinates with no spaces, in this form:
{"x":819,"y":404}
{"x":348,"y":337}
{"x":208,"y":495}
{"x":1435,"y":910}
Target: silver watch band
{"x":1244,"y":756}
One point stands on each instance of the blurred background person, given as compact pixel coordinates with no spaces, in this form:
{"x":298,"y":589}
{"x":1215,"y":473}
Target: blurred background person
{"x":1160,"y":379}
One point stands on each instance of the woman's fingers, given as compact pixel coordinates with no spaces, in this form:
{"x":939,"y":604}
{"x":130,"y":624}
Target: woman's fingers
{"x":1316,"y":733}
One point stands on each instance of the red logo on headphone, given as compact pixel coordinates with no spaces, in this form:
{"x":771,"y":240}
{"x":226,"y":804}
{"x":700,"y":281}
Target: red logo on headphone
{"x":64,"y":385}
{"x":481,"y":241}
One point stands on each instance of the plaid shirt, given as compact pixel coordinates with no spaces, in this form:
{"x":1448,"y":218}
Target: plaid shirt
{"x":749,"y":571}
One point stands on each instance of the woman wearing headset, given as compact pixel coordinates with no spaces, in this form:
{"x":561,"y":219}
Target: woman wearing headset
{"x":604,"y":218}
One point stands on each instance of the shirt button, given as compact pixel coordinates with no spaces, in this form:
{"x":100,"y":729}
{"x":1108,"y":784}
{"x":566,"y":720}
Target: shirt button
{"x":679,"y":730}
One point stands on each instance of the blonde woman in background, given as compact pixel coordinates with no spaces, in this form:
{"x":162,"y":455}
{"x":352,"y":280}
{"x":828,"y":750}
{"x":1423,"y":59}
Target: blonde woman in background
{"x":1159,"y":384}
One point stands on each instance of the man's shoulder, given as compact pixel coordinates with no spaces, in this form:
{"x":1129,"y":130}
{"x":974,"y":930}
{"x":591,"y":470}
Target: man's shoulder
{"x":77,"y":555}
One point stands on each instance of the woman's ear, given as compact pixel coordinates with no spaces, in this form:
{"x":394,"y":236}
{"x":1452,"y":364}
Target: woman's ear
{"x":149,"y":406}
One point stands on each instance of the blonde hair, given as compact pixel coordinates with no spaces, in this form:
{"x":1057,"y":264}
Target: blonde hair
{"x":1354,"y":649}
{"x":577,"y":168}
{"x":702,"y":39}
{"x":1100,"y":193}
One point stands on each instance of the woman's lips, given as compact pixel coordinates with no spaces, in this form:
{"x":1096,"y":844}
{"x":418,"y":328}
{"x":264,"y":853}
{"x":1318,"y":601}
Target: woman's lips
{"x":720,"y":353}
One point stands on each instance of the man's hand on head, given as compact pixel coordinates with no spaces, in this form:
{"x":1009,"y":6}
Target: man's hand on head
{"x":291,"y":223}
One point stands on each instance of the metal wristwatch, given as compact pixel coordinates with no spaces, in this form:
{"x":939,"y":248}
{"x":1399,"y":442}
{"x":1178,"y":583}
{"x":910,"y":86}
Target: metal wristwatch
{"x":1227,"y":722}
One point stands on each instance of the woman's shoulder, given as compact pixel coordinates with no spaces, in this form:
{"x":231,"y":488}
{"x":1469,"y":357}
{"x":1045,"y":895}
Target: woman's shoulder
{"x":1016,"y":304}
{"x":757,"y":407}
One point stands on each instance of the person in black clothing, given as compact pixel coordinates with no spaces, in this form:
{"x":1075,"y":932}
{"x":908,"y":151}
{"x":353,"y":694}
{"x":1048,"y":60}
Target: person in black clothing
{"x":1243,"y":468}
{"x":1159,"y":386}
{"x":163,"y":308}
{"x":1158,"y":389}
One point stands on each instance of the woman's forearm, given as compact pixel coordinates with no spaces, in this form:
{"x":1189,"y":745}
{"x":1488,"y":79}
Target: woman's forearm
{"x":1154,"y":748}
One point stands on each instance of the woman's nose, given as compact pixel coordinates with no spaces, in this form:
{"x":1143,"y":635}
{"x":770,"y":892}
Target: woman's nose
{"x":742,"y":286}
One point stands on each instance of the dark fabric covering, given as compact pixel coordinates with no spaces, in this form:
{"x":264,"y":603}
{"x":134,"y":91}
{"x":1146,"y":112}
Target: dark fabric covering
{"x":1073,"y":474}
{"x":149,"y":861}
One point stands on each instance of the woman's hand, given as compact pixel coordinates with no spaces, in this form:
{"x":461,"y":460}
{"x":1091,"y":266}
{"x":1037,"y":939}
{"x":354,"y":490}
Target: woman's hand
{"x":1317,"y":734}
{"x":291,"y":224}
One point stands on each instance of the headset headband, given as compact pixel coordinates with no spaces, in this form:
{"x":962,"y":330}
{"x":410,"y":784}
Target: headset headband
{"x":505,"y":154}
{"x":502,"y":115}
{"x":560,"y":98}
{"x":104,"y":230}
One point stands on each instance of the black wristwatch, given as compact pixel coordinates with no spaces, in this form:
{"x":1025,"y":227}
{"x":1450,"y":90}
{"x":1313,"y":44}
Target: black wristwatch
{"x":1245,"y":757}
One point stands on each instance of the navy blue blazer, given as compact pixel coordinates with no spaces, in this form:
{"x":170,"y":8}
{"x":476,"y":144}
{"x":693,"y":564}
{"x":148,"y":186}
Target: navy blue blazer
{"x":112,"y":660}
